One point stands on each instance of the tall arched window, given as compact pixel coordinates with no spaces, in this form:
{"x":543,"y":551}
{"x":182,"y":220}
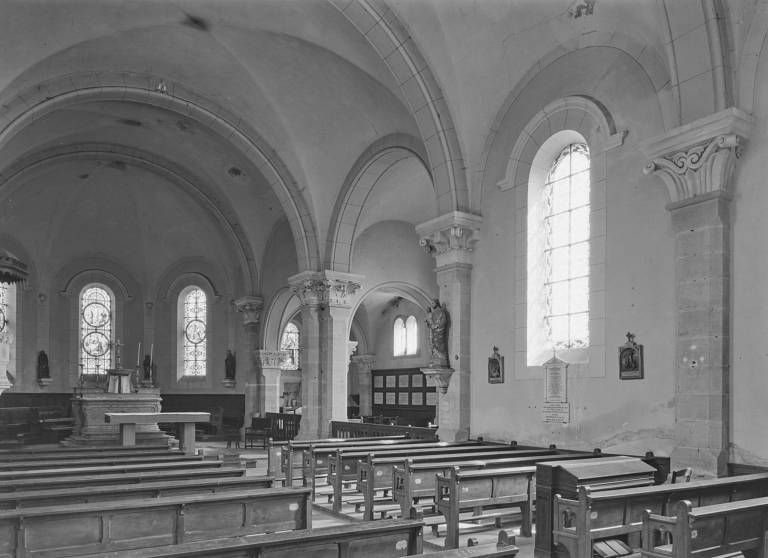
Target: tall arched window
{"x":194,"y":331}
{"x":566,"y":248}
{"x":96,"y":329}
{"x":405,"y":336}
{"x":289,"y":342}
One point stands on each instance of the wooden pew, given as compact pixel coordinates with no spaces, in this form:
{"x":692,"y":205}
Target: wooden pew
{"x":109,"y":492}
{"x":417,"y":479}
{"x":74,"y":530}
{"x":65,"y":481}
{"x":128,"y":422}
{"x":97,"y":461}
{"x":380,"y":539}
{"x":85,"y":454}
{"x":315,"y":459}
{"x":343,"y":465}
{"x":279,"y":453}
{"x":619,"y":513}
{"x":16,"y":475}
{"x":377,"y":473}
{"x":496,"y":488}
{"x":343,"y":429}
{"x":80,"y":449}
{"x":707,"y":531}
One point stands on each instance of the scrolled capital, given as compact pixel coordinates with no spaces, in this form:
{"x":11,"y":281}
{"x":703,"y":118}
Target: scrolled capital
{"x":269,"y":359}
{"x":250,"y":307}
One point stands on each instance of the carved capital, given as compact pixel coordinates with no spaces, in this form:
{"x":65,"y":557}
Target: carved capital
{"x":250,"y":307}
{"x":332,"y":288}
{"x":364,"y":363}
{"x":450,"y":238}
{"x":269,"y":359}
{"x":698,"y":159}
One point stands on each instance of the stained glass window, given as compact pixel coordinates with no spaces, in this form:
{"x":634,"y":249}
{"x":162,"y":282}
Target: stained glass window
{"x":194,"y":332}
{"x":398,"y":339}
{"x":290,"y":343}
{"x":95,"y":330}
{"x":566,"y":248}
{"x":411,"y":336}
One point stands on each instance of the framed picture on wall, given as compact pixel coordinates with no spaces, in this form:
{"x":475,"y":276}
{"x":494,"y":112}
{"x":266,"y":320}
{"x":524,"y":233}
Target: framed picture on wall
{"x":495,"y":367}
{"x":631,"y":360}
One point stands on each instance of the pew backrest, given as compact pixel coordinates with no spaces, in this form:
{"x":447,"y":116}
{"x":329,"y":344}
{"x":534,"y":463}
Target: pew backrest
{"x":131,"y":467}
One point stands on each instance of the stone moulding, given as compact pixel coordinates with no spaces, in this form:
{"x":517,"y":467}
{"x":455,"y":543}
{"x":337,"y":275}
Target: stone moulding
{"x":440,"y":377}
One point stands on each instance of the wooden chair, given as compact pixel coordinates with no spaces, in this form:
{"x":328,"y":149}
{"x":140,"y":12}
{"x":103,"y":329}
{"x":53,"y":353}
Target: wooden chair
{"x":259,"y":430}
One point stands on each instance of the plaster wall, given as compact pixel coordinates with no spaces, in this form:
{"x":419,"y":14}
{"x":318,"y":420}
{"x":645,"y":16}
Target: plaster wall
{"x":616,"y":415}
{"x":749,"y":382}
{"x":384,"y":338}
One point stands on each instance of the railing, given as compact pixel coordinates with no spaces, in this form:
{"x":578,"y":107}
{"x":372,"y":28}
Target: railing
{"x":340,"y":429}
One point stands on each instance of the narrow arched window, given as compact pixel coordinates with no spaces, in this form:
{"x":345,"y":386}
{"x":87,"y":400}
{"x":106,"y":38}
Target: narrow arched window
{"x":566,"y":248}
{"x":96,"y":329}
{"x":405,"y":336}
{"x":194,"y":331}
{"x":289,"y":342}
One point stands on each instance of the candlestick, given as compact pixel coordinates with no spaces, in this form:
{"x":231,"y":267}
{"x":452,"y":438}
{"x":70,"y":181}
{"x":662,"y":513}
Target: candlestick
{"x":138,"y":355}
{"x":151,"y":351}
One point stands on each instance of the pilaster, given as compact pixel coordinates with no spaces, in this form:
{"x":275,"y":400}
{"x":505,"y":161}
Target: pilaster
{"x":250,"y":307}
{"x":268,"y":368}
{"x":696,"y":162}
{"x":363,"y":365}
{"x":450,"y":238}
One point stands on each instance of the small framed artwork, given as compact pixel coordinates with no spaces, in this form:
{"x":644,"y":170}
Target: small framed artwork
{"x":631,"y":360}
{"x":495,"y":367}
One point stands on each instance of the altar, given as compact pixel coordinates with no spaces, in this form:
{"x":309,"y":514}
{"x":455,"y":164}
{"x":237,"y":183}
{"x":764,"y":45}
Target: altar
{"x":93,"y":399}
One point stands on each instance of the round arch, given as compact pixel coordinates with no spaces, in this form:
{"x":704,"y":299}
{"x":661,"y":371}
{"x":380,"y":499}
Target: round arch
{"x":374,"y":162}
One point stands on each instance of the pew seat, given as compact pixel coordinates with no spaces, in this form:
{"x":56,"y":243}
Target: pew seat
{"x":102,"y":469}
{"x":97,"y":461}
{"x":64,"y":481}
{"x":96,"y":528}
{"x":706,"y":531}
{"x":497,"y":492}
{"x":599,"y":514}
{"x":108,"y":492}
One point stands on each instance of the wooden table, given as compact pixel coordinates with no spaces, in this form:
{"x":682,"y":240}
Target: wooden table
{"x":128,"y":422}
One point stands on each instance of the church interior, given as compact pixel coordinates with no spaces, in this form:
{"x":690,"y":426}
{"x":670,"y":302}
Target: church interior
{"x":512,"y":246}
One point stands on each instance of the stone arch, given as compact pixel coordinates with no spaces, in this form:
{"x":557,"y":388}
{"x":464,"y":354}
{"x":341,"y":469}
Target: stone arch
{"x":220,"y":211}
{"x":360,"y":181}
{"x":749,"y":63}
{"x":283,"y":306}
{"x":393,"y":42}
{"x":415,"y":294}
{"x":62,"y":92}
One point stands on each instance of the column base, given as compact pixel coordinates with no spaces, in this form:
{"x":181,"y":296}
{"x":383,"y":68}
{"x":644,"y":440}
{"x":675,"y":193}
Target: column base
{"x":706,"y":462}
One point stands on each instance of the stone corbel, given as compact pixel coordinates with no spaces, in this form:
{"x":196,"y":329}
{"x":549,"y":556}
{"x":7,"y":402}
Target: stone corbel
{"x":250,"y":307}
{"x":696,"y":161}
{"x":450,"y":238}
{"x":440,"y":377}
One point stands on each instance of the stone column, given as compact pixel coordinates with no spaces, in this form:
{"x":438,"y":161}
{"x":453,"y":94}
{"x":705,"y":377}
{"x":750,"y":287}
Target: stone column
{"x":326,"y":300}
{"x":696,"y":163}
{"x":450,"y":238}
{"x":363,"y":365}
{"x":250,"y":307}
{"x":268,"y":366}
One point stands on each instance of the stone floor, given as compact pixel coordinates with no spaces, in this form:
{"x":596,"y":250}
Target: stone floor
{"x":255,"y":461}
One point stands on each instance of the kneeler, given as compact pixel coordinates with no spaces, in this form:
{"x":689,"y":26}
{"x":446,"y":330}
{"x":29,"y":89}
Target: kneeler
{"x":610,"y":548}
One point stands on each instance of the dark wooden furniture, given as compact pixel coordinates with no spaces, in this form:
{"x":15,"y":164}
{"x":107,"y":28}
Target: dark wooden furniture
{"x":565,"y":478}
{"x":283,"y":426}
{"x":719,"y":529}
{"x":404,"y":395}
{"x":258,"y":431}
{"x":491,"y":493}
{"x":62,"y":480}
{"x":342,"y":429}
{"x":109,"y":493}
{"x":80,"y":450}
{"x":74,"y":530}
{"x":55,"y":463}
{"x":377,"y":474}
{"x":104,"y":469}
{"x":619,"y":513}
{"x":380,"y":539}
